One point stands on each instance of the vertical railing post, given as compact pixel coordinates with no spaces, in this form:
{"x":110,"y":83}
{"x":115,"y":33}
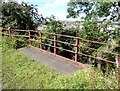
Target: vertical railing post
{"x":107,"y":69}
{"x":41,"y":40}
{"x":9,"y":32}
{"x":118,"y":71}
{"x":55,"y":37}
{"x":76,"y":50}
{"x":29,"y":38}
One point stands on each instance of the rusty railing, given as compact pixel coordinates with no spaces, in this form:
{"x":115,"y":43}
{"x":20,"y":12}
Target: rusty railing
{"x":76,"y":45}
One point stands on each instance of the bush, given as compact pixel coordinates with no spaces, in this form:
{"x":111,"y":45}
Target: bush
{"x":14,"y":43}
{"x":89,"y":78}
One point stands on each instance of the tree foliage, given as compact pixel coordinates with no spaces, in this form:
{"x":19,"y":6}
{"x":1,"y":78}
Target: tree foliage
{"x":52,"y":25}
{"x":93,"y":29}
{"x":55,"y":26}
{"x":101,"y":9}
{"x":21,"y":16}
{"x":95,"y":11}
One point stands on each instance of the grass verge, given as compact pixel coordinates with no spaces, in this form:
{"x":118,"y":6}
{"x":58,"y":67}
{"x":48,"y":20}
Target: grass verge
{"x":20,"y":72}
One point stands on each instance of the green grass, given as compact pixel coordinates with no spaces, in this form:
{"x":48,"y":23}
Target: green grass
{"x":20,"y":72}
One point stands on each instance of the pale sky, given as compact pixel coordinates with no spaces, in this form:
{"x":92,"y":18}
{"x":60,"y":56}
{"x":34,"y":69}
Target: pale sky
{"x":58,"y":8}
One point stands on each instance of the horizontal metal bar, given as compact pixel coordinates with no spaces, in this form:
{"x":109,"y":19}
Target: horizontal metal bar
{"x":59,"y":41}
{"x":35,"y":36}
{"x":65,"y":43}
{"x":65,"y":49}
{"x":21,"y":30}
{"x":58,"y":34}
{"x":47,"y":33}
{"x":90,"y":41}
{"x":51,"y":45}
{"x":47,"y":44}
{"x":17,"y":30}
{"x":38,"y":41}
{"x":19,"y":35}
{"x":80,"y":46}
{"x":34,"y":31}
{"x":47,"y":39}
{"x":97,"y":58}
{"x":66,"y":36}
{"x":99,"y":50}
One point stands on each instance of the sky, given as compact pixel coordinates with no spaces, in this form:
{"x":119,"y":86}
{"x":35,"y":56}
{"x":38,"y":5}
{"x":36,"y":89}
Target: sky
{"x":58,"y":8}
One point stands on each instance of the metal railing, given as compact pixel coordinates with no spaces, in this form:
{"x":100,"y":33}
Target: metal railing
{"x":76,"y":46}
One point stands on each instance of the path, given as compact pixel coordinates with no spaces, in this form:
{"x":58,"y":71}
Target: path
{"x":50,"y":61}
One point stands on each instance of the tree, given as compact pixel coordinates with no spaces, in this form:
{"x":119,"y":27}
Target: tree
{"x":101,"y":9}
{"x":53,"y":25}
{"x":95,"y":11}
{"x":21,"y":16}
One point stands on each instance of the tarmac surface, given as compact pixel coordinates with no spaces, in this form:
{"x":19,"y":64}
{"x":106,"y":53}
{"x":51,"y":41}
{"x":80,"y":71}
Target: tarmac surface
{"x":60,"y":65}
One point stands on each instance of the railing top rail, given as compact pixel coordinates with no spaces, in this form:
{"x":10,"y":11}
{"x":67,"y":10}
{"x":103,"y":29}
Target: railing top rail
{"x":19,"y":30}
{"x":96,"y":42}
{"x":22,"y":30}
{"x":98,"y":58}
{"x":89,"y":48}
{"x":59,"y":34}
{"x":85,"y":40}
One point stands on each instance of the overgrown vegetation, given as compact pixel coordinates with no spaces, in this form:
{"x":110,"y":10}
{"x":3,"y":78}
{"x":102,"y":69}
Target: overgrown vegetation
{"x":98,"y":16}
{"x":20,"y":72}
{"x":15,"y":43}
{"x":94,"y":7}
{"x":90,"y":31}
{"x":20,"y":16}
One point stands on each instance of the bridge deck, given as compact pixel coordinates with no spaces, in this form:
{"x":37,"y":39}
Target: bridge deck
{"x":50,"y":61}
